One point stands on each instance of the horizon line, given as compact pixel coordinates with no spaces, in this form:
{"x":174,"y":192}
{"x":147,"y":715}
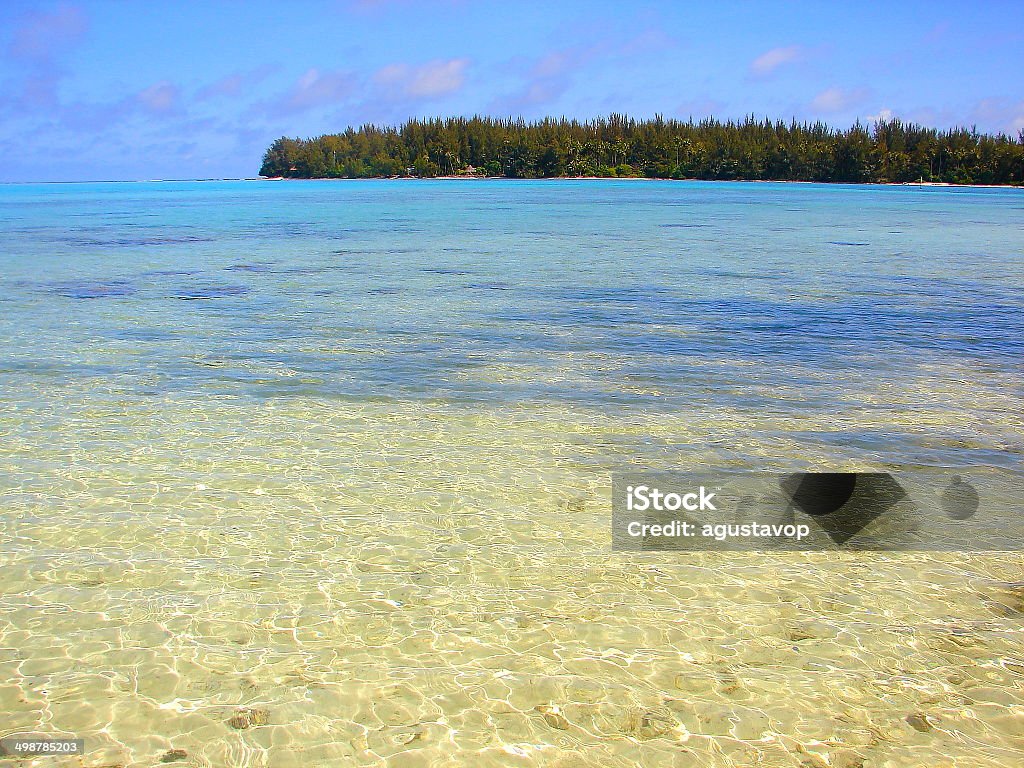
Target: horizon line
{"x":540,"y":179}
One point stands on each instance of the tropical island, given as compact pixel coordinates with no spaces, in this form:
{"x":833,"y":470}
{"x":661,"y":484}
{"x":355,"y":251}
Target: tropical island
{"x":889,"y":151}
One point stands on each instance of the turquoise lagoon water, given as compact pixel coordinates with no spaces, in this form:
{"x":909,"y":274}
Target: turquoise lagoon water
{"x":318,"y":473}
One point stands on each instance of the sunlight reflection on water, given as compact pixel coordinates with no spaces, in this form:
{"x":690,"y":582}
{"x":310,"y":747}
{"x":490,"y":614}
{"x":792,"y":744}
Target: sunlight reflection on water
{"x":318,"y":473}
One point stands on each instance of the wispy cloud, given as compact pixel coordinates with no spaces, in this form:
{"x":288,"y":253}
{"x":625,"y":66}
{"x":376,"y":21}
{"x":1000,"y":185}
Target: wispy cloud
{"x":769,"y":62}
{"x":383,"y":6}
{"x":428,"y":81}
{"x":1005,"y":113}
{"x":227,"y":86}
{"x":236,"y":84}
{"x":547,"y":77}
{"x":39,"y":89}
{"x":558,"y":63}
{"x":647,"y":42}
{"x":40,"y":35}
{"x":316,"y":88}
{"x":833,"y":100}
{"x":699,"y":108}
{"x":38,"y":39}
{"x":160,"y":98}
{"x":544,"y":79}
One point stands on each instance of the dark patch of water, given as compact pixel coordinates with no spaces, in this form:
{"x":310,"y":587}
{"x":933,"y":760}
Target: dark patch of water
{"x":207,"y":292}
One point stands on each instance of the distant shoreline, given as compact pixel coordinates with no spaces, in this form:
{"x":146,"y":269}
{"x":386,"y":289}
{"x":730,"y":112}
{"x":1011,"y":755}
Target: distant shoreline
{"x":644,"y":178}
{"x":545,"y":178}
{"x":618,"y":146}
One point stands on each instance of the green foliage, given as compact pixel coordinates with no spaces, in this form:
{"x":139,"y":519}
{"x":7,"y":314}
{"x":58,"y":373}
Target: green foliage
{"x":425,"y":168}
{"x":618,"y":146}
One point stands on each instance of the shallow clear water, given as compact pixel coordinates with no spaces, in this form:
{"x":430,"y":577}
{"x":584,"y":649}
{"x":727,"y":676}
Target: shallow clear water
{"x":317,"y":473}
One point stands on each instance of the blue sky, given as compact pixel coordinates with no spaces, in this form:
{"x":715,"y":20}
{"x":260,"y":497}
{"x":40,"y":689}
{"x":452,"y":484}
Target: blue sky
{"x":142,"y":90}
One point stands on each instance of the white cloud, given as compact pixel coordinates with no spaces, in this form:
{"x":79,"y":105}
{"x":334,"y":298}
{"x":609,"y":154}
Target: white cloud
{"x":161,"y":97}
{"x":999,"y":114}
{"x":548,"y":77}
{"x":884,"y":115}
{"x":837,"y":99}
{"x":768,"y":62}
{"x":427,"y":81}
{"x":316,"y":88}
{"x":236,"y":84}
{"x":555,"y":63}
{"x":40,"y":35}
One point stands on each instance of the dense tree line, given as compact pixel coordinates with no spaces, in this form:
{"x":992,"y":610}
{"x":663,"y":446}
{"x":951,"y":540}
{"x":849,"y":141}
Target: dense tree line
{"x":888,"y":151}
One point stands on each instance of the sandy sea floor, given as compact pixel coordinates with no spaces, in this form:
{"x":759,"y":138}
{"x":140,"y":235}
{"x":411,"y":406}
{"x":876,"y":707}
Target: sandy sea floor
{"x":381,"y":585}
{"x":319,"y":474}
